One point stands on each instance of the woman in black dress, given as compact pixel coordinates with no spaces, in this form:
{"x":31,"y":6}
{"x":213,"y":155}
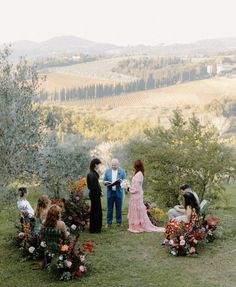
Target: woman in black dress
{"x":95,"y":193}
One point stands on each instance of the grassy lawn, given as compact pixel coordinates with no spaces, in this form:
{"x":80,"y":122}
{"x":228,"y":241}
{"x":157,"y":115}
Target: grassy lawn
{"x":125,"y":259}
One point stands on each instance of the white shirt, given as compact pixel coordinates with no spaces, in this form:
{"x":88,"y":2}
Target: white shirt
{"x":114,"y":177}
{"x":24,"y":206}
{"x":196,"y":197}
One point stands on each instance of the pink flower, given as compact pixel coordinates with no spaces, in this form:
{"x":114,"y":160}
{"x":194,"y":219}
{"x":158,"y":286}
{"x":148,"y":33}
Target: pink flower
{"x":77,"y":198}
{"x":82,"y":268}
{"x":21,"y":235}
{"x":70,"y":217}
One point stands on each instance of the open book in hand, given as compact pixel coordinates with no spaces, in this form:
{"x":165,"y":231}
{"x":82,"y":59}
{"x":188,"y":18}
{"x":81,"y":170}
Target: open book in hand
{"x":116,"y":182}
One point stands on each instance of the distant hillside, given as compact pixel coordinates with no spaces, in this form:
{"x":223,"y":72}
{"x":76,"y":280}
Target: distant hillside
{"x":70,"y":45}
{"x":64,"y":45}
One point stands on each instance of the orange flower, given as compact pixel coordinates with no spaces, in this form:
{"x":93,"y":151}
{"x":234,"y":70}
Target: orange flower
{"x":77,"y":186}
{"x":64,"y":248}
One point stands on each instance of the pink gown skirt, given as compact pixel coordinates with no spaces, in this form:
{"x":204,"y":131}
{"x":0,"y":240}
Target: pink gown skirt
{"x":138,"y":218}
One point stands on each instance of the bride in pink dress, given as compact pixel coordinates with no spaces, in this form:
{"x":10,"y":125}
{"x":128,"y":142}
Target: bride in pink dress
{"x":137,"y":215}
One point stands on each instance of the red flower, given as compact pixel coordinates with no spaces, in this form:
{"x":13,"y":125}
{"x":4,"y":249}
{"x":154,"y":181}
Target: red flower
{"x":88,"y":246}
{"x":78,"y":273}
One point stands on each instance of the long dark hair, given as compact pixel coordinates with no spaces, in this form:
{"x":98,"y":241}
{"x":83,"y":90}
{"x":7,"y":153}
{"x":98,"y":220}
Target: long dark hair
{"x":138,"y":166}
{"x":93,"y":163}
{"x":190,"y":200}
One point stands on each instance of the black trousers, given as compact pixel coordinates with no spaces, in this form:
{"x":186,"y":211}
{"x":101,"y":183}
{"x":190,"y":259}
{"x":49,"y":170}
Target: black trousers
{"x":95,"y":213}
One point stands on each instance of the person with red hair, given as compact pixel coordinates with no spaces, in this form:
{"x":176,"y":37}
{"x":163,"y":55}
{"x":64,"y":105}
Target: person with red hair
{"x":137,"y":215}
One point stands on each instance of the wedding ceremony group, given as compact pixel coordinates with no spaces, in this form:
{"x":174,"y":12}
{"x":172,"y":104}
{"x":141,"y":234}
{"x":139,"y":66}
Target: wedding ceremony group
{"x":49,"y":234}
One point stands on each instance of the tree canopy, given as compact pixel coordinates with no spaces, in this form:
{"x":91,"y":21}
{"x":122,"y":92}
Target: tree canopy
{"x":186,"y":152}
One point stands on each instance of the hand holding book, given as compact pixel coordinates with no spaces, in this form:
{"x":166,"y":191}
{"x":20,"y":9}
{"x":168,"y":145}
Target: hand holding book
{"x":116,"y":182}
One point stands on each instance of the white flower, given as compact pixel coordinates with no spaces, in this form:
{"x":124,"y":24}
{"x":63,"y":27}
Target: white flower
{"x":195,"y":241}
{"x":68,"y":263}
{"x":73,"y":227}
{"x":61,"y":257}
{"x":43,"y":244}
{"x":173,"y":252}
{"x":31,"y":249}
{"x":182,"y":242}
{"x":67,"y":233}
{"x":181,"y":237}
{"x":171,"y":242}
{"x":125,"y":184}
{"x":82,"y":258}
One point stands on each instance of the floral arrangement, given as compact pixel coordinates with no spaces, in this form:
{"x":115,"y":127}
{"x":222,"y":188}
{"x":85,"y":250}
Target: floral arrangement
{"x":69,"y":261}
{"x":155,"y":214}
{"x":184,"y":239}
{"x":29,"y":242}
{"x":76,"y":211}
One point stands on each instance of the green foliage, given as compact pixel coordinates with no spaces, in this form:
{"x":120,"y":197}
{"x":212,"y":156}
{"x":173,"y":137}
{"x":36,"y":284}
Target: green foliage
{"x":21,"y":132}
{"x":187,"y":152}
{"x":58,"y":160}
{"x":91,"y":126}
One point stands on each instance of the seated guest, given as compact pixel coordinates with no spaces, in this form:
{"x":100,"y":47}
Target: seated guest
{"x":23,"y":204}
{"x":41,"y":211}
{"x":179,"y":210}
{"x":189,"y":218}
{"x":53,"y":220}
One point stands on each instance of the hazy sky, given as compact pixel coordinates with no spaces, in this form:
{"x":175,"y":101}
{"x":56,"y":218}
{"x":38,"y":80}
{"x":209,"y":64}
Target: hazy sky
{"x":122,"y":22}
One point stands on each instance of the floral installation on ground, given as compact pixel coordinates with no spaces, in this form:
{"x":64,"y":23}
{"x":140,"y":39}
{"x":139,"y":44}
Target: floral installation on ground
{"x":68,"y":261}
{"x":184,"y":239}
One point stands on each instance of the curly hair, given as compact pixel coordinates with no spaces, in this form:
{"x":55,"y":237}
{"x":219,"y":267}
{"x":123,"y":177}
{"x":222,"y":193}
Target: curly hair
{"x":42,"y":206}
{"x":53,"y":215}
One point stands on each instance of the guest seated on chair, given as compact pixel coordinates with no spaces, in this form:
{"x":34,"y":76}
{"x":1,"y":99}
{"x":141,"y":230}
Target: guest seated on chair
{"x":179,"y":210}
{"x":188,"y":219}
{"x":53,"y":221}
{"x":23,"y":204}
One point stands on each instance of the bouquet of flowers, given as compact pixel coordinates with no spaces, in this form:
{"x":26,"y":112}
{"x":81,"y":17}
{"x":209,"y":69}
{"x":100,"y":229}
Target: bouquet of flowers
{"x":125,"y":184}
